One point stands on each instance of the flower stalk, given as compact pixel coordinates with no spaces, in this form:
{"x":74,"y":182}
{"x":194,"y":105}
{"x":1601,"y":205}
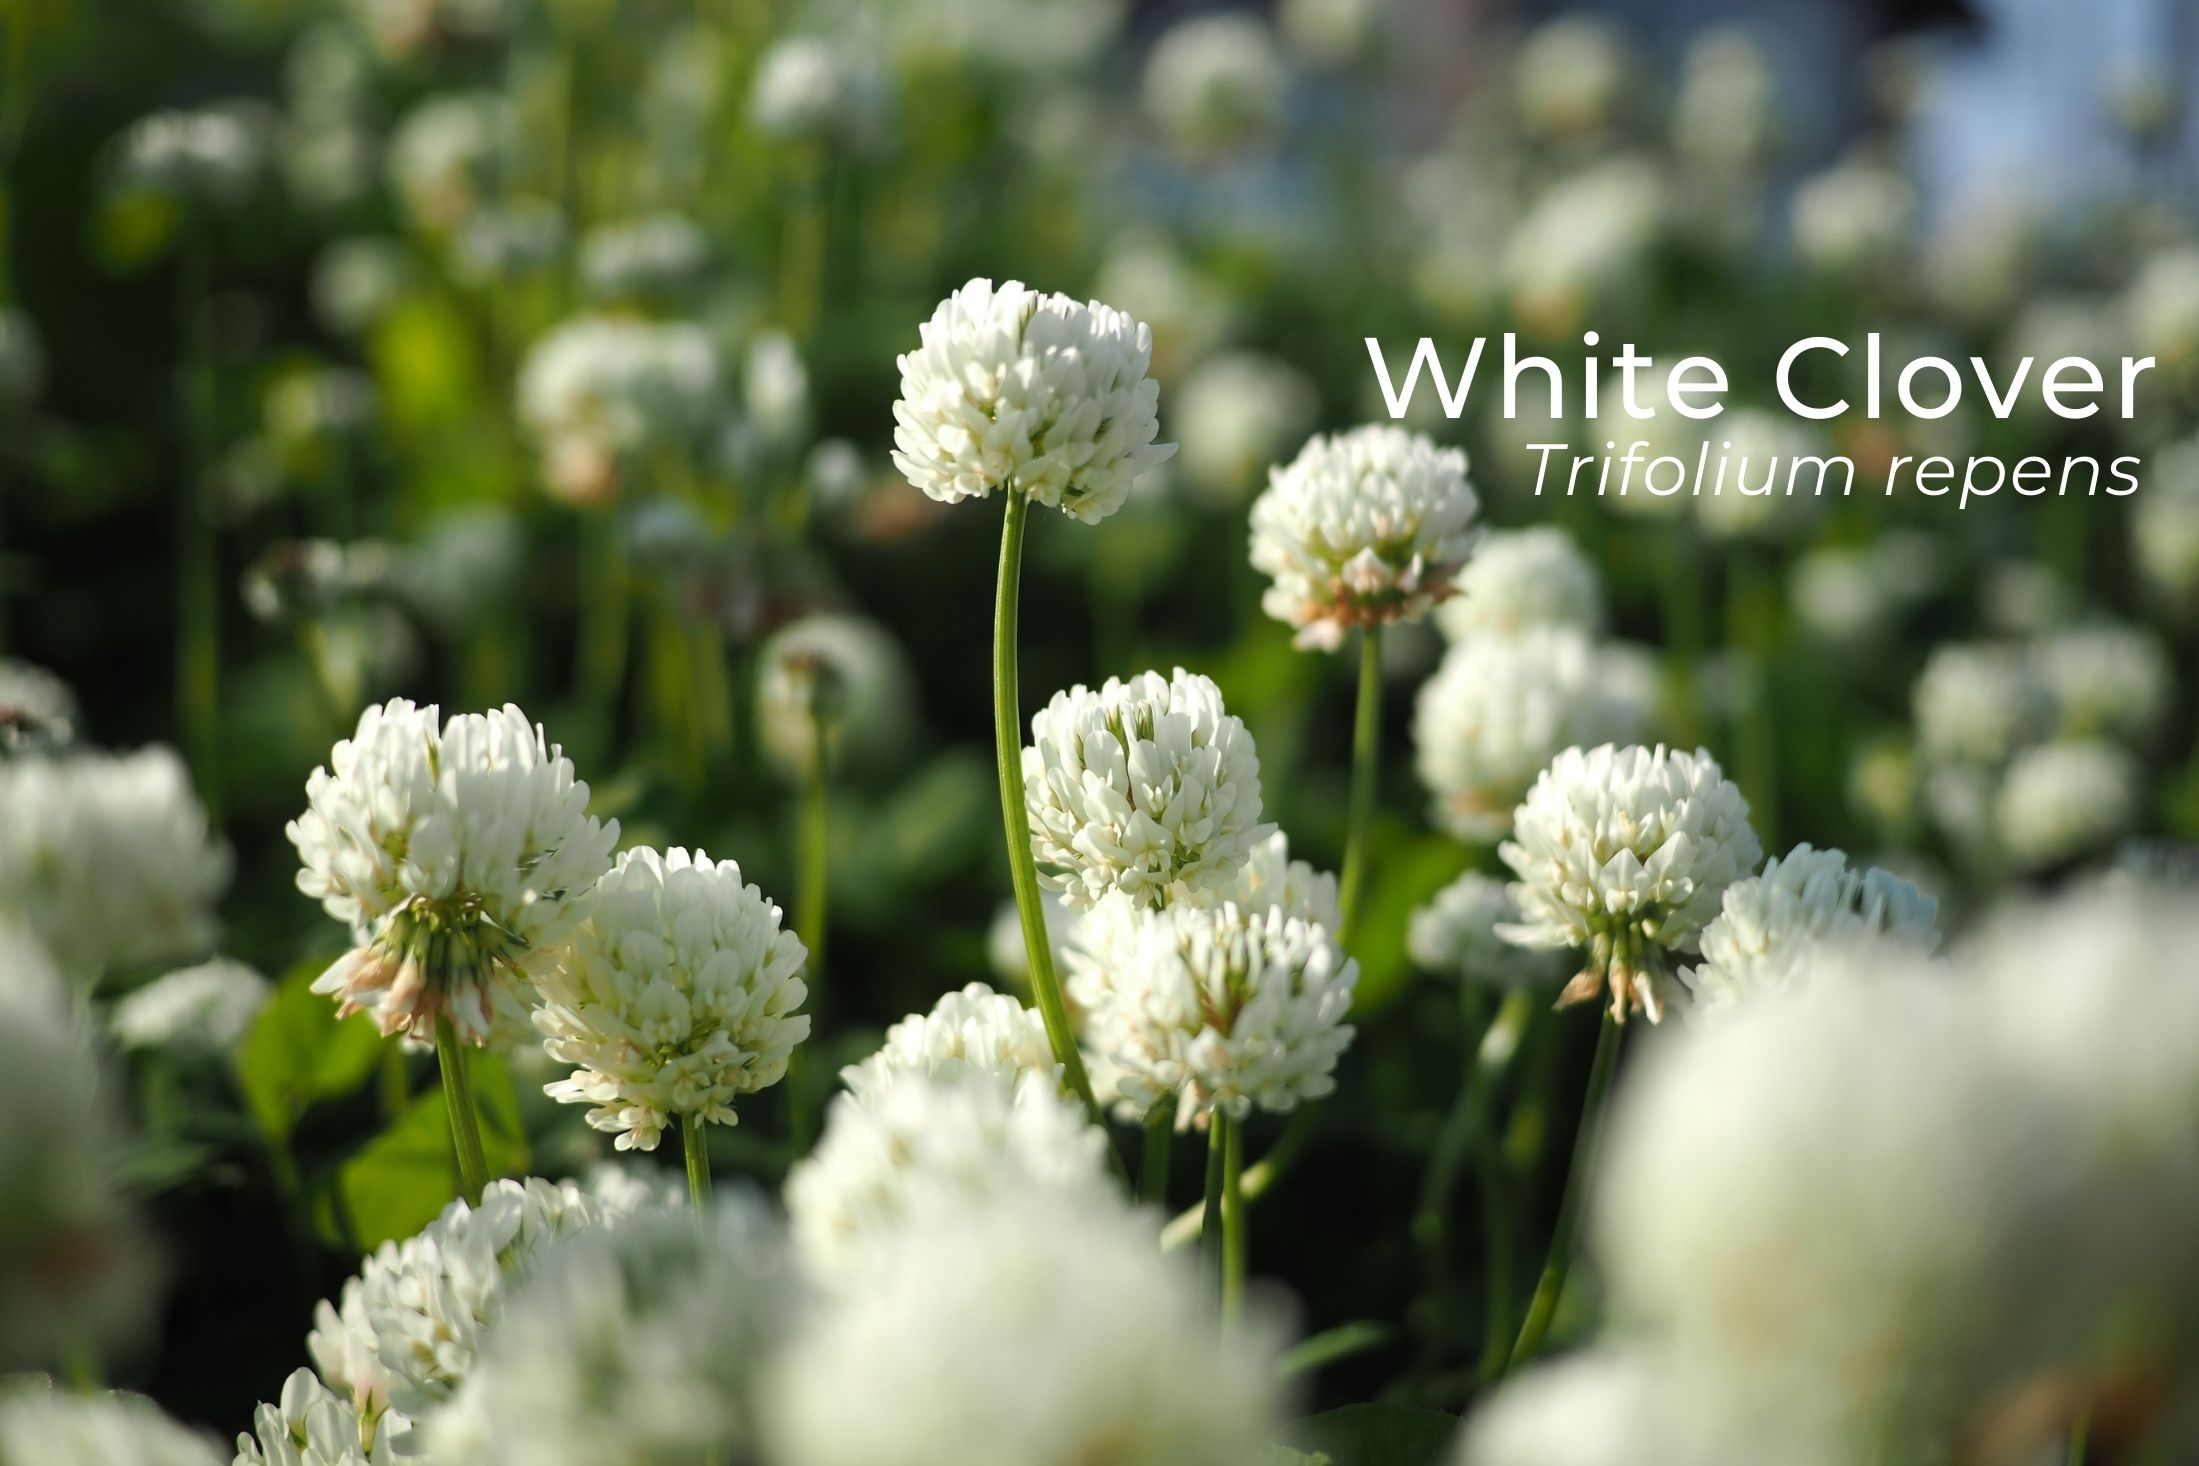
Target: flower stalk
{"x":1236,"y":1241}
{"x":1366,"y":741}
{"x":465,"y":1120}
{"x":1551,"y":1287}
{"x":695,"y":1149}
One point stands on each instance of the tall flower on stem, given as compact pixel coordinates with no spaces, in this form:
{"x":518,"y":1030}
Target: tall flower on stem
{"x":674,"y":997}
{"x":1360,"y":530}
{"x":1046,"y":401}
{"x":1626,"y":852}
{"x":453,"y":849}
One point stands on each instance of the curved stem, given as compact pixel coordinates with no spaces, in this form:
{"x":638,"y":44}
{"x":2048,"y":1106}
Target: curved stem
{"x":1236,"y":1241}
{"x":465,"y":1121}
{"x":695,"y":1147}
{"x":1551,"y":1287}
{"x":1008,"y":752}
{"x":1366,"y":747}
{"x":1210,"y":1210}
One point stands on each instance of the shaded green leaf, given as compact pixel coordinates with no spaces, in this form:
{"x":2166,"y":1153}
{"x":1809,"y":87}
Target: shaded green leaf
{"x":299,"y":1053}
{"x":397,"y":1183}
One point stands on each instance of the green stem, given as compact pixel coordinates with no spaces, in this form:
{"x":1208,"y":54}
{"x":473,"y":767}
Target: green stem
{"x":1008,"y":751}
{"x":2080,"y":1432}
{"x":1160,"y":1135}
{"x":396,"y":1084}
{"x":695,"y":1146}
{"x":1495,"y":1183}
{"x":1446,"y":1160}
{"x":1236,"y":1241}
{"x":1366,"y":748}
{"x":1548,"y":1290}
{"x":812,"y":842}
{"x":465,"y":1120}
{"x":605,"y":616}
{"x":1210,"y":1211}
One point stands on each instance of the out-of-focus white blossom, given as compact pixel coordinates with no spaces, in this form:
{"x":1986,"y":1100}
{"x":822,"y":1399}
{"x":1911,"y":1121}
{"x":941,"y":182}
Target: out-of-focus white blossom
{"x":445,"y":153}
{"x":1569,"y":77}
{"x":1765,"y":493}
{"x":1032,"y":394}
{"x":452,"y":849}
{"x":926,"y":1144}
{"x":1215,"y":82}
{"x":1033,"y":39}
{"x":22,"y":361}
{"x":815,"y":87}
{"x":1331,"y":32}
{"x":640,"y":1344}
{"x":1361,"y":529}
{"x":2162,"y":306}
{"x":1980,"y":702}
{"x":972,"y":1029}
{"x":1586,"y":239}
{"x":1145,"y":787}
{"x":1591,"y":1409}
{"x":833,"y":684}
{"x":659,"y":254}
{"x":1455,"y":933}
{"x":775,"y":388}
{"x":1004,"y":951}
{"x":403,"y":28}
{"x":202,"y":1010}
{"x":1807,"y":911}
{"x":1519,"y":578}
{"x":1500,"y":708}
{"x":311,"y":1425}
{"x":2107,"y":681}
{"x":108,"y":858}
{"x":1040,"y":1327}
{"x":675,"y":996}
{"x":508,"y":241}
{"x":2164,"y":527}
{"x":1626,"y":852}
{"x":1856,"y":217}
{"x":2066,"y":799}
{"x":1237,"y":413}
{"x":1726,"y":116}
{"x":355,"y":280}
{"x":1854,"y":595}
{"x":212,"y":157}
{"x":601,"y":393}
{"x":43,"y":1426}
{"x":37,"y":710}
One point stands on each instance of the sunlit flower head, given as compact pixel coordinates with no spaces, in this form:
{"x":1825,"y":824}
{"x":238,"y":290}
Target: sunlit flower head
{"x":1215,"y":82}
{"x":2066,"y":799}
{"x":1500,"y":707}
{"x":452,"y":849}
{"x":602,"y":393}
{"x":1361,"y":529}
{"x":1979,"y":702}
{"x":973,"y":1028}
{"x":1522,"y":578}
{"x":444,"y":155}
{"x":1032,"y":394}
{"x":816,"y":87}
{"x":42,"y":1424}
{"x":1146,"y":786}
{"x":1626,"y":852}
{"x":195,"y":1010}
{"x":37,"y":710}
{"x":676,"y":995}
{"x":311,"y":1425}
{"x":1456,"y":934}
{"x":2106,"y":680}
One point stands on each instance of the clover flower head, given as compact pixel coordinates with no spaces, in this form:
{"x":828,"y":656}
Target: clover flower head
{"x":676,"y":995}
{"x":1362,"y":528}
{"x":639,"y":1343}
{"x":833,"y":687}
{"x":37,"y":710}
{"x":1147,"y":786}
{"x":1500,"y":707}
{"x":1589,"y":236}
{"x":108,"y":859}
{"x":1212,"y":1006}
{"x":443,"y":155}
{"x":39,"y":1423}
{"x":203,"y":1010}
{"x":1625,"y":852}
{"x":1234,"y":416}
{"x":1979,"y":702}
{"x":2106,"y":680}
{"x":311,"y":1425}
{"x":1215,"y":82}
{"x":1807,"y":911}
{"x":1029,"y":1326}
{"x":1032,"y":394}
{"x":1455,"y":933}
{"x":2066,"y":799}
{"x":973,"y":1029}
{"x":1522,"y":578}
{"x":924,"y":1144}
{"x":600,"y":393}
{"x":813,"y":87}
{"x":213,"y":156}
{"x":1590,"y":1409}
{"x":452,"y":849}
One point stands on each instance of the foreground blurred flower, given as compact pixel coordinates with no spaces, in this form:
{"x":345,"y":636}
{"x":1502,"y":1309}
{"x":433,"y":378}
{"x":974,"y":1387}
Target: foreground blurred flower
{"x":974,"y":1029}
{"x":925,"y":1145}
{"x":1521,"y":578}
{"x":1807,"y":911}
{"x":108,"y":859}
{"x":1216,"y":82}
{"x":1032,"y":394}
{"x":40,"y":1424}
{"x":1036,"y":1328}
{"x":37,"y":710}
{"x":199,"y":1010}
{"x":2062,"y":800}
{"x":640,"y":1345}
{"x":1147,"y":787}
{"x":675,"y":996}
{"x":1588,"y":1410}
{"x":1457,"y":934}
{"x":602,"y":393}
{"x":1499,"y":708}
{"x":1626,"y":852}
{"x":311,"y":1425}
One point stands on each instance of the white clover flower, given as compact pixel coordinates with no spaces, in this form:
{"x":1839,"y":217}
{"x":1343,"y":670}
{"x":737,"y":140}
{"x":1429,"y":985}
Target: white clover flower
{"x":1590,"y":1409}
{"x":601,"y":393}
{"x":1569,"y":76}
{"x":204,"y":1009}
{"x":429,"y":1301}
{"x":1004,"y":950}
{"x":816,"y":87}
{"x":1857,"y":216}
{"x":452,"y":849}
{"x":2066,"y":799}
{"x":1979,"y":702}
{"x":107,"y":858}
{"x":639,"y":1344}
{"x":37,"y":710}
{"x":923,"y":1145}
{"x":1588,"y":237}
{"x":2107,"y":681}
{"x":1235,"y":415}
{"x":836,"y":684}
{"x":1213,"y":1006}
{"x":311,"y":1426}
{"x":1032,"y":394}
{"x":1858,"y":594}
{"x":344,"y":1354}
{"x":355,"y":281}
{"x":1215,"y":82}
{"x":1807,"y":911}
{"x":1271,"y":879}
{"x":1521,"y":578}
{"x":508,"y":241}
{"x":1500,"y":708}
{"x":1761,"y":449}
{"x":22,"y":361}
{"x":2164,"y":527}
{"x":213,"y":156}
{"x":1362,"y":528}
{"x":443,"y":155}
{"x":43,"y":1426}
{"x":1725,"y":118}
{"x":1455,"y":933}
{"x":1147,"y":787}
{"x":654,"y":255}
{"x":675,"y":996}
{"x":1626,"y":852}
{"x":1040,"y":1327}
{"x":974,"y":1029}
{"x":76,"y":1268}
{"x":775,"y":388}
{"x":2162,"y":306}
